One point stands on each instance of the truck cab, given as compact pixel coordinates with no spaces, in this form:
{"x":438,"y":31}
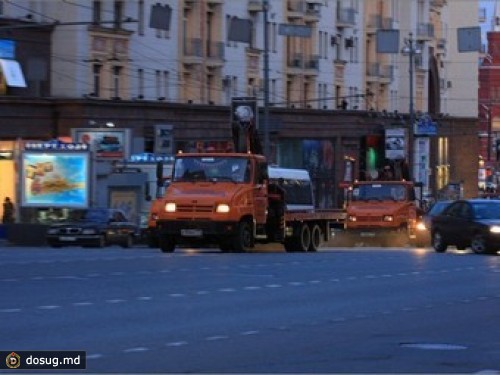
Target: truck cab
{"x":382,"y":210}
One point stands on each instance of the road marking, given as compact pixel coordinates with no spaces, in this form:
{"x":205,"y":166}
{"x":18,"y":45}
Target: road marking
{"x":176,"y":343}
{"x":296,"y":283}
{"x":273,"y":286}
{"x":252,"y":287}
{"x":94,"y":356}
{"x":202,"y":292}
{"x":144,"y":298}
{"x":48,"y":307}
{"x":227,"y":290}
{"x":10,"y":310}
{"x":248,"y":333}
{"x":82,"y":303}
{"x":139,"y":349}
{"x":10,"y":280}
{"x":216,"y":338}
{"x":177,"y":295}
{"x":116,"y":273}
{"x":115,"y":300}
{"x":314,"y":282}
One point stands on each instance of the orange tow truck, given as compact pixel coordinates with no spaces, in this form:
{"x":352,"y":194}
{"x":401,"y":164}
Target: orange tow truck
{"x":235,"y":200}
{"x":382,"y":211}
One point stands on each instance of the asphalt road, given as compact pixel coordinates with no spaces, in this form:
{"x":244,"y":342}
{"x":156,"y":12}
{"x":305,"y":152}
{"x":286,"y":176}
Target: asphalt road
{"x":339,"y":310}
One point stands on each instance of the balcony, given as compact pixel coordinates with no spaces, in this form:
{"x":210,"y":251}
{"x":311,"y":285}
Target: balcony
{"x":255,"y":6}
{"x":295,"y":63}
{"x":374,"y":23}
{"x":386,"y":74}
{"x":425,"y":31}
{"x":296,"y":8}
{"x":215,"y":53}
{"x":346,"y":17}
{"x":372,"y":72}
{"x":312,"y":13}
{"x":312,"y":65}
{"x":193,"y":51}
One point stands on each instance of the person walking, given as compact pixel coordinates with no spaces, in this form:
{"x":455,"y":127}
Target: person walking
{"x":8,"y":211}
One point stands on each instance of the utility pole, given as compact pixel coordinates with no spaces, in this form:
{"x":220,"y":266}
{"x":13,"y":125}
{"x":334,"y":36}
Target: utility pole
{"x":265,"y":8}
{"x":411,"y":51}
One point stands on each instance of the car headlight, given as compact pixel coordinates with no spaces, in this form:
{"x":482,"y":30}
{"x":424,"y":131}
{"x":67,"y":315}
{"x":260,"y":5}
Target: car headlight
{"x":388,"y":218}
{"x":421,"y":226}
{"x":222,"y":208}
{"x":89,"y":231}
{"x":495,"y":229}
{"x":52,"y":231}
{"x":170,"y":207}
{"x":352,"y":218}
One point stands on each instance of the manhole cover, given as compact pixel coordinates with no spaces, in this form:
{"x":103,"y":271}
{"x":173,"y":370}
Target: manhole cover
{"x":430,"y":346}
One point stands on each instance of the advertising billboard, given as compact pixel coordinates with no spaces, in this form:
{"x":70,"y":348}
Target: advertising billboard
{"x":110,"y":144}
{"x":55,"y":179}
{"x":395,"y":143}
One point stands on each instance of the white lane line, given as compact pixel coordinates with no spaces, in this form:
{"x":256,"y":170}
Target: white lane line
{"x":68,"y":277}
{"x":115,"y":300}
{"x":227,"y":290}
{"x":94,"y":356}
{"x":216,"y":338}
{"x":402,"y":274}
{"x":93,"y":275}
{"x":176,"y":295}
{"x":139,"y":349}
{"x":177,"y":343}
{"x":9,"y":310}
{"x":252,"y":288}
{"x":387,"y":275}
{"x":82,"y":303}
{"x":144,"y":298}
{"x":387,"y":312}
{"x":48,"y":307}
{"x":165,"y":271}
{"x":10,"y":280}
{"x":335,"y":280}
{"x":248,"y":333}
{"x":116,"y":273}
{"x":37,"y":278}
{"x":338,"y":320}
{"x":371,"y":277}
{"x":202,"y":292}
{"x":350,"y":278}
{"x":295,"y":283}
{"x":314,"y":282}
{"x":273,"y":286}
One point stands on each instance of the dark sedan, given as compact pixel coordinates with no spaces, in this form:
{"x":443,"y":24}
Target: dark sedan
{"x":471,"y":223}
{"x":93,"y":227}
{"x":424,"y":224}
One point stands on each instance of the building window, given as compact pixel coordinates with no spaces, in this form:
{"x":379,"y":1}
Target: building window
{"x":140,"y":13}
{"x":166,"y":84}
{"x":96,"y":70}
{"x":275,"y":37}
{"x":158,"y":83}
{"x":118,"y":14}
{"x":234,"y":85}
{"x":96,"y":12}
{"x":116,"y":81}
{"x":140,"y":83}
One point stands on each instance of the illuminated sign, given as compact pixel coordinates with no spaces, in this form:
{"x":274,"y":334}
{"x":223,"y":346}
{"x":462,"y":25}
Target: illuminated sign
{"x":41,"y":146}
{"x":55,"y":179}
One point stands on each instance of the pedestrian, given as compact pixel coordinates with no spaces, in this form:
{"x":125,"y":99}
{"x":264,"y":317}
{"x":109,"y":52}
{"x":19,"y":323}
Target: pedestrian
{"x":8,"y":211}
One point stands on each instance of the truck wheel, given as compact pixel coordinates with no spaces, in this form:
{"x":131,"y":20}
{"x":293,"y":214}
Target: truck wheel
{"x":243,"y":241}
{"x":438,"y":242}
{"x":315,"y":238}
{"x":167,"y":244}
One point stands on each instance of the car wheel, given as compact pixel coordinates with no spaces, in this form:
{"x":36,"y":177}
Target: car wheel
{"x":480,"y":246}
{"x":438,"y":242}
{"x":129,"y":242}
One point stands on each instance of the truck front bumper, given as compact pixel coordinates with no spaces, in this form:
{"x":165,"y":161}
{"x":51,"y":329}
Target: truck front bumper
{"x":189,"y":229}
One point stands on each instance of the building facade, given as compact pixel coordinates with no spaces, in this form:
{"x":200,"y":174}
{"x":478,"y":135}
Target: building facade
{"x":329,"y":89}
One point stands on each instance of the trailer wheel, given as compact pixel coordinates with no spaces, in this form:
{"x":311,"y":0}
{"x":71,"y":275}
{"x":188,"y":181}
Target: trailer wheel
{"x":167,"y":244}
{"x":315,"y":238}
{"x":243,"y":241}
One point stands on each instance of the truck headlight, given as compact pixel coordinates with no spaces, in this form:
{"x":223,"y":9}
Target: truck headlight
{"x":222,"y":208}
{"x":388,"y":218}
{"x":495,"y":229}
{"x":352,"y":218}
{"x":170,"y":207}
{"x":421,"y":226}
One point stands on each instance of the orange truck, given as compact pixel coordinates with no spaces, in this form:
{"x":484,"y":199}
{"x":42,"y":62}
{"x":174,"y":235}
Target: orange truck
{"x":382,"y":211}
{"x":234,"y":199}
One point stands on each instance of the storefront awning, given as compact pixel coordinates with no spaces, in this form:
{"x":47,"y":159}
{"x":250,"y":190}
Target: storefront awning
{"x":12,"y":72}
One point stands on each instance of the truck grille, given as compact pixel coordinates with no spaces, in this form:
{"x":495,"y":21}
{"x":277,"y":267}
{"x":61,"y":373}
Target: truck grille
{"x":186,"y":208}
{"x":372,"y":219}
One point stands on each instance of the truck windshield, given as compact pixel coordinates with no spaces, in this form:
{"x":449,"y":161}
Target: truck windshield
{"x":379,"y":192}
{"x":212,"y":168}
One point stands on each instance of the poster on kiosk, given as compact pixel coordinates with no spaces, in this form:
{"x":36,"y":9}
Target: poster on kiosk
{"x":55,"y":175}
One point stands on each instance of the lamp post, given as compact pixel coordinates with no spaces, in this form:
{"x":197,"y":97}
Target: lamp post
{"x":410,"y":49}
{"x":265,"y":8}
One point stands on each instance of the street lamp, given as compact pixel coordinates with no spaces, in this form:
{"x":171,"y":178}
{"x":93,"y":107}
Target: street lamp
{"x":411,"y":50}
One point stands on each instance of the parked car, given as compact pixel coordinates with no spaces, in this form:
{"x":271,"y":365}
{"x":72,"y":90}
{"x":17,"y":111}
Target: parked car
{"x":466,"y":223}
{"x":93,"y":227}
{"x":424,"y":224}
